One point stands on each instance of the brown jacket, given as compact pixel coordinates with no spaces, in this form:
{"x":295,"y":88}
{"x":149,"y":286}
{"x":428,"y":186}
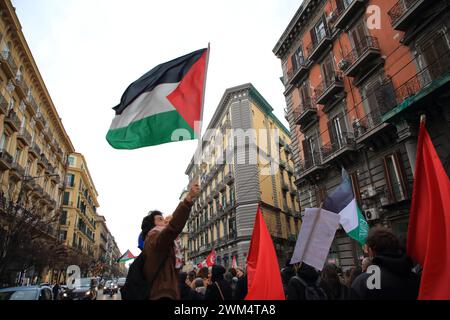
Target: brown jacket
{"x":158,"y":246}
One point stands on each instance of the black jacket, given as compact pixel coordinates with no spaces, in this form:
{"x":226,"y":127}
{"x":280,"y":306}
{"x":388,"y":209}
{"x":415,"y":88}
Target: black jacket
{"x":189,"y":294}
{"x":217,"y":281}
{"x":296,"y":290}
{"x":397,"y":280}
{"x":241,"y":289}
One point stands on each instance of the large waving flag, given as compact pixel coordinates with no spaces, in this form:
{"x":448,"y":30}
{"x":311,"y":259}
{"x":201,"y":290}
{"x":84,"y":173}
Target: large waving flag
{"x":163,"y":105}
{"x":264,"y":278}
{"x":429,"y":224}
{"x":127,"y":257}
{"x":343,"y":202}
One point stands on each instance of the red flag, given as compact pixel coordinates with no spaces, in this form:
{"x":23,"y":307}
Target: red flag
{"x":429,"y":225}
{"x":263,"y":271}
{"x":211,"y":259}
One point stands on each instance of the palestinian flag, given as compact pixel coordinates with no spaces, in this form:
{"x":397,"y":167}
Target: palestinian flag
{"x":343,"y":202}
{"x":127,"y":257}
{"x":163,"y":105}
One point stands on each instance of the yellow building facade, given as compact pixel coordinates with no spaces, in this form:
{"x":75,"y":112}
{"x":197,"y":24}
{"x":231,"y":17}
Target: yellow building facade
{"x":79,"y":208}
{"x":245,"y":161}
{"x":33,"y":142}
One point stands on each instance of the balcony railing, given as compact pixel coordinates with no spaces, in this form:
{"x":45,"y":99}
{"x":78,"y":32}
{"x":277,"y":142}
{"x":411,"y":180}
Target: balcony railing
{"x":229,"y":179}
{"x":346,"y":10}
{"x":345,"y":140}
{"x":420,"y":81}
{"x":357,"y":60}
{"x":397,"y":193}
{"x":316,"y":48}
{"x":403,"y":12}
{"x":295,"y":74}
{"x":312,"y":160}
{"x":8,"y":61}
{"x":284,"y":186}
{"x":305,"y":112}
{"x":327,"y":89}
{"x":25,"y":136}
{"x":33,"y":104}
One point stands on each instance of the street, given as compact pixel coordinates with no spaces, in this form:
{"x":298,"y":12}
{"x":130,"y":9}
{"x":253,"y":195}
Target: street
{"x":105,"y":297}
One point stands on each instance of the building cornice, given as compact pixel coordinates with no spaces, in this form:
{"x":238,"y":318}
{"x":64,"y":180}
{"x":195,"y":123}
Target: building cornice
{"x":8,"y":13}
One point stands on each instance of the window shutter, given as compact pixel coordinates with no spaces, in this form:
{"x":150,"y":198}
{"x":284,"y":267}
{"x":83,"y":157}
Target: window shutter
{"x":307,"y":152}
{"x":401,"y":169}
{"x":332,"y":133}
{"x":390,"y":193}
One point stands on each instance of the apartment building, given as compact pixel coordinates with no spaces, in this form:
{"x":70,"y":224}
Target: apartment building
{"x":358,"y":74}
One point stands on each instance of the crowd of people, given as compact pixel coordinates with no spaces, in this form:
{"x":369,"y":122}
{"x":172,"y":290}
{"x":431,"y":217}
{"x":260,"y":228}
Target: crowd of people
{"x":159,"y":267}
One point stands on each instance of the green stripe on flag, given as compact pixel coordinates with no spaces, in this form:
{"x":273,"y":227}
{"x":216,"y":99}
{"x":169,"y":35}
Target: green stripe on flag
{"x":155,"y":130}
{"x":360,"y":232}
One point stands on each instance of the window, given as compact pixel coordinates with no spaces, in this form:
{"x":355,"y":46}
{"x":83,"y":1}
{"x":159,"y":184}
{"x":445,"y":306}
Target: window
{"x":70,"y":179}
{"x":319,"y":31}
{"x":337,"y":131}
{"x":297,"y":59}
{"x":63,"y":218}
{"x":63,"y":236}
{"x":327,"y":68}
{"x":66,"y":198}
{"x":378,"y":95}
{"x":396,"y":184}
{"x":72,"y":161}
{"x":321,"y":193}
{"x":434,"y":54}
{"x":359,"y":37}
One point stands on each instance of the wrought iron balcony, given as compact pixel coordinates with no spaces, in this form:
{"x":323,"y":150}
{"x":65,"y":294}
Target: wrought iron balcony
{"x":8,"y":64}
{"x":396,"y":193}
{"x":305,"y":113}
{"x":362,"y":56}
{"x":335,"y":148}
{"x":289,"y":169}
{"x":310,"y":165}
{"x":284,"y":186}
{"x":33,"y":105}
{"x":25,"y":136}
{"x":327,"y":89}
{"x":347,"y":9}
{"x":316,"y":48}
{"x":17,"y":171}
{"x":369,"y":126}
{"x":3,"y":105}
{"x":222,"y":187}
{"x":6,"y":159}
{"x":35,"y":150}
{"x":295,"y":74}
{"x":404,"y":12}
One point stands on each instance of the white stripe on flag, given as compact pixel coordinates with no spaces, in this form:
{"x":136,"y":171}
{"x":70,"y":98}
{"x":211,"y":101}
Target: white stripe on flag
{"x":146,"y":105}
{"x":349,"y":217}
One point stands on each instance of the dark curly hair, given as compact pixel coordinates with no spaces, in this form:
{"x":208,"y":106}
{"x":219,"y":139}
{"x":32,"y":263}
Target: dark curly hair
{"x":148,"y":223}
{"x":383,"y":240}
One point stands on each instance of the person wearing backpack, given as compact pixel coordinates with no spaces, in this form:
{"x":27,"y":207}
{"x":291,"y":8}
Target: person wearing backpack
{"x":305,"y":285}
{"x":154,"y":273}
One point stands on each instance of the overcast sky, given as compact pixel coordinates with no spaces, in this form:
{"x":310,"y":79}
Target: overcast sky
{"x":89,"y":51}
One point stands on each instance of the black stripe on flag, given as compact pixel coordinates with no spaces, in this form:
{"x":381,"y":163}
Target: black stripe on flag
{"x":169,"y":72}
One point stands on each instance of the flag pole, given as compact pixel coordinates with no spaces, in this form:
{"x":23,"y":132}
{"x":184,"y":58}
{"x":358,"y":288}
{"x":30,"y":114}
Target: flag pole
{"x":204,"y":91}
{"x":423,"y":118}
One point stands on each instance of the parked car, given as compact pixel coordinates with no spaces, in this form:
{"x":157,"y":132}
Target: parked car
{"x":27,"y":293}
{"x":84,"y":289}
{"x":111,"y":287}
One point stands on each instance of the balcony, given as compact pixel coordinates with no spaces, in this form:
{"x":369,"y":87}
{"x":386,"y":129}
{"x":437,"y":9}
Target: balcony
{"x":369,"y":127}
{"x":404,"y":12}
{"x":38,"y":190}
{"x":229,"y":179}
{"x":47,"y":135}
{"x":8,"y":64}
{"x":40,"y":121}
{"x":21,"y":87}
{"x":296,"y":74}
{"x":6,"y":160}
{"x":13,"y":120}
{"x":305,"y":113}
{"x":315,"y":49}
{"x":339,"y":147}
{"x":361,"y":57}
{"x":24,"y":136}
{"x":33,"y":107}
{"x":346,"y":11}
{"x":289,"y":169}
{"x":311,"y":165}
{"x":3,"y":105}
{"x":35,"y":150}
{"x":284,"y":186}
{"x":17,"y":172}
{"x":327,"y":90}
{"x":222,"y":187}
